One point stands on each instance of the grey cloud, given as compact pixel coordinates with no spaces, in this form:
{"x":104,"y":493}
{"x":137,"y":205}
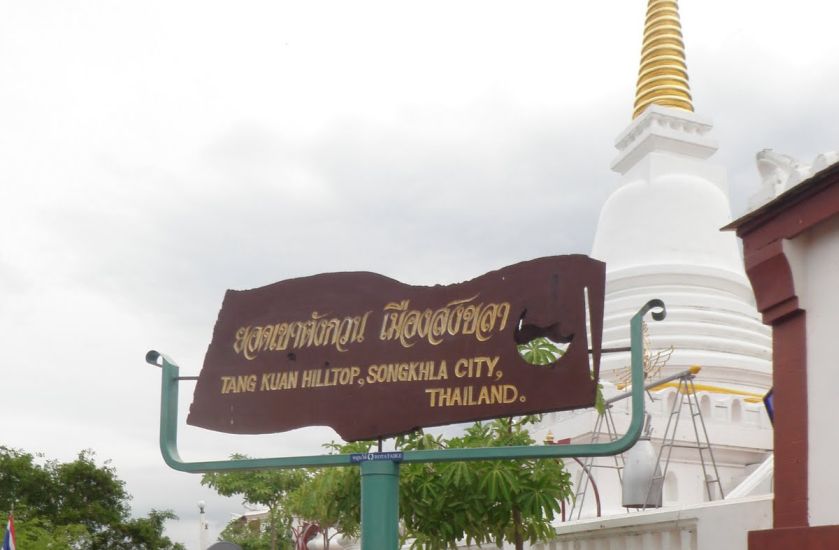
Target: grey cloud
{"x":372,"y":198}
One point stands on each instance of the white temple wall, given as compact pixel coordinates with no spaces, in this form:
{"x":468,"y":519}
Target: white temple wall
{"x":814,"y":258}
{"x":709,"y":526}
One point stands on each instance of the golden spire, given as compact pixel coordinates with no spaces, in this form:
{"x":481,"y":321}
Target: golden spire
{"x":663,"y":77}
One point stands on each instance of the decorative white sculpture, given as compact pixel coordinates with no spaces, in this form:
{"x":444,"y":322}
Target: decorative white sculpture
{"x":780,"y":172}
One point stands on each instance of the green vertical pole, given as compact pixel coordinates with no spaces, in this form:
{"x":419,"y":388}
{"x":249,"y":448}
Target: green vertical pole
{"x":379,"y":505}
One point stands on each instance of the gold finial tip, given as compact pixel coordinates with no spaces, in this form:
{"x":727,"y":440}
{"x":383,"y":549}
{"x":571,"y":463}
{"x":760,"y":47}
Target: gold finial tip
{"x":549,"y":438}
{"x":662,"y":79}
{"x":694,"y":369}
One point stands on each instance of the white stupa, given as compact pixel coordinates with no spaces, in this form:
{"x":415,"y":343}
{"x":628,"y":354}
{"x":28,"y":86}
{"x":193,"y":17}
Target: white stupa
{"x":659,"y":234}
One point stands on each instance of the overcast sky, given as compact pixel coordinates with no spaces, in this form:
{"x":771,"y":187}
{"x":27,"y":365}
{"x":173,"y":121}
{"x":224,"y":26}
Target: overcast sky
{"x":156,"y":153}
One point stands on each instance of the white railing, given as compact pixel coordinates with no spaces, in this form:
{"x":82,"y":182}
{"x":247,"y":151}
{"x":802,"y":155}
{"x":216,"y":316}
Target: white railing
{"x":719,"y":525}
{"x":670,"y":535}
{"x":759,"y":479}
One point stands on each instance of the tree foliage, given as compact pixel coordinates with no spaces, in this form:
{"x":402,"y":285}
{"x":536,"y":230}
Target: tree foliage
{"x":482,"y":501}
{"x":251,"y":536}
{"x":266,"y":488}
{"x":331,"y":497}
{"x":443,"y":503}
{"x":76,"y":505}
{"x":540,"y":351}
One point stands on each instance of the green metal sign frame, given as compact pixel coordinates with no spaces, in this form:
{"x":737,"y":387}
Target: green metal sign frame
{"x":380,"y":478}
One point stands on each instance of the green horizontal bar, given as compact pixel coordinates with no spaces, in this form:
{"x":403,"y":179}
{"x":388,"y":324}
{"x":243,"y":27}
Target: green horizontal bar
{"x":169,"y":426}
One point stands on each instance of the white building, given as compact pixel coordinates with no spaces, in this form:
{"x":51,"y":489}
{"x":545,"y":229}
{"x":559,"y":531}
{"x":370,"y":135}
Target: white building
{"x":659,"y":234}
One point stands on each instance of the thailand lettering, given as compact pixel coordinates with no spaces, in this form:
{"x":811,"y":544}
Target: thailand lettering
{"x":469,"y":396}
{"x":454,"y":319}
{"x":318,"y":331}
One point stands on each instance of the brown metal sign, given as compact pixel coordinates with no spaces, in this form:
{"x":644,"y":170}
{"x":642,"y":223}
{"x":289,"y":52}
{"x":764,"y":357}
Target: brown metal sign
{"x":372,"y":357}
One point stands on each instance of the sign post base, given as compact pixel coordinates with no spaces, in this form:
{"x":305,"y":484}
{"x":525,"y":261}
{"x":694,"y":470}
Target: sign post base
{"x":379,"y":505}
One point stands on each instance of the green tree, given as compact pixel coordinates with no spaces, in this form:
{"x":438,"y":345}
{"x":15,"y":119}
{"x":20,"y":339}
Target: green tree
{"x":26,"y":486}
{"x":443,"y":503}
{"x":88,"y":494}
{"x":37,"y":533}
{"x":483,"y":501}
{"x":74,"y":505}
{"x":267,"y":488}
{"x":135,"y":534}
{"x":331,"y":497}
{"x":250,"y":536}
{"x":540,"y":351}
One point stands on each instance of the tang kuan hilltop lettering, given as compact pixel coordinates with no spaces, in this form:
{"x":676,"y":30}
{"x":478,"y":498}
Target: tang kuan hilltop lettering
{"x":399,"y":323}
{"x":385,"y":373}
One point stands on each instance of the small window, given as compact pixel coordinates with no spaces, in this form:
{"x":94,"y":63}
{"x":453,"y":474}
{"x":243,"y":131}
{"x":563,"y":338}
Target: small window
{"x":671,"y":487}
{"x":705,"y":406}
{"x":736,"y":411}
{"x":671,"y":400}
